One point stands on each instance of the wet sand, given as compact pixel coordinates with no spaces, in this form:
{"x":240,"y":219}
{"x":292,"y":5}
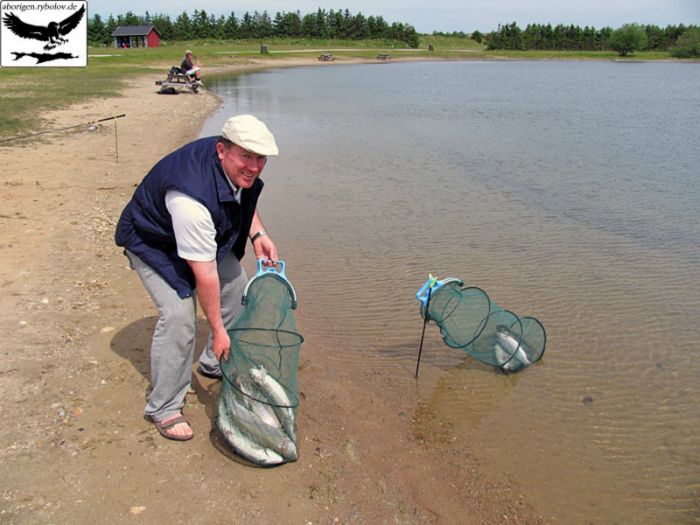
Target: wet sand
{"x":75,"y":335}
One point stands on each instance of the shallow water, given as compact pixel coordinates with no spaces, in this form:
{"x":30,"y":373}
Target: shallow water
{"x":567,"y":191}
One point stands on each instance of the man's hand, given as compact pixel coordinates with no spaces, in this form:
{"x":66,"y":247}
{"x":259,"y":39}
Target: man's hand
{"x":265,"y":248}
{"x":221,"y":344}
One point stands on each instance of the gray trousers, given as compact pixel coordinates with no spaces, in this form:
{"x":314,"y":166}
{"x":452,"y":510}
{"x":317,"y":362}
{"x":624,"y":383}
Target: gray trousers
{"x":173,"y":344}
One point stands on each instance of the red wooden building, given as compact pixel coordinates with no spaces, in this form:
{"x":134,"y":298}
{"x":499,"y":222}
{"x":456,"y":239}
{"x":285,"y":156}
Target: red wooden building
{"x":136,"y":36}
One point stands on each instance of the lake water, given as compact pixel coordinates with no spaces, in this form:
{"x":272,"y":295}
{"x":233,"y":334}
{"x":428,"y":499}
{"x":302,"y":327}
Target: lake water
{"x":568,"y":191}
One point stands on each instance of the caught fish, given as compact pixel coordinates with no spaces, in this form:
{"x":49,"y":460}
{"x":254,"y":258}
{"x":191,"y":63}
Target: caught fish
{"x":269,"y":436}
{"x":241,"y":444}
{"x":262,"y":411}
{"x":281,"y":403}
{"x":502,"y":357}
{"x":510,"y":353}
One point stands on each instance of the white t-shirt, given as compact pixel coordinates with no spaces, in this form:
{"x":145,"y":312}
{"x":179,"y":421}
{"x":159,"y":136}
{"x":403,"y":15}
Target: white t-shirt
{"x":195,"y":233}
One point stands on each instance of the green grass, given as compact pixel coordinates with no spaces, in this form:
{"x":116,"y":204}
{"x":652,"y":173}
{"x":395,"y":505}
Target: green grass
{"x":30,"y":92}
{"x":445,"y":43}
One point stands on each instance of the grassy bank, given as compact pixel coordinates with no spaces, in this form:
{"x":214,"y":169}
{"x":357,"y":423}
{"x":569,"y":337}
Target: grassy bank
{"x":30,"y":92}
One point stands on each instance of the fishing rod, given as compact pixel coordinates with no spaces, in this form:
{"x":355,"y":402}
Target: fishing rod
{"x":115,"y":117}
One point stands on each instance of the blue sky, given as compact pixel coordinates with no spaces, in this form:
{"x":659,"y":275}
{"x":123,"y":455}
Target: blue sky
{"x":444,"y":15}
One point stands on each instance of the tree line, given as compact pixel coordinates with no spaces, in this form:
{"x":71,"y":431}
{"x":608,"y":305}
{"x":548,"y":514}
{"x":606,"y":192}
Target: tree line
{"x":575,"y":38}
{"x":201,"y":25}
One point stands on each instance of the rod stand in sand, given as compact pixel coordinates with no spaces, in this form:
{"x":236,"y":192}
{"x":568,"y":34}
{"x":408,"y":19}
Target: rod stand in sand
{"x":422,"y":335}
{"x":116,"y":142}
{"x":115,"y":117}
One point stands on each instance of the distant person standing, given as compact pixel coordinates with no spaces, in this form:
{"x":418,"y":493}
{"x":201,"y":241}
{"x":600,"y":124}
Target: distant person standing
{"x":189,"y":68}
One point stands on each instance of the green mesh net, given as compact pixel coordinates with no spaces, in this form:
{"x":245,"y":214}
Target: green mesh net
{"x":259,"y":396}
{"x":470,"y":321}
{"x":459,"y":312}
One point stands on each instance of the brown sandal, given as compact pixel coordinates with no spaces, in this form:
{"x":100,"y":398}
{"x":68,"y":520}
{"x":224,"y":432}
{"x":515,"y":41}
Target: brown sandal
{"x":163,"y":428}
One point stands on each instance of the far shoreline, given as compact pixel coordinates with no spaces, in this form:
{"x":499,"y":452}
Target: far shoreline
{"x":256,"y":64}
{"x":110,"y":72}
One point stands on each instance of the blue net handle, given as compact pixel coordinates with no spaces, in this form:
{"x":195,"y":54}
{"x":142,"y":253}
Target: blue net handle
{"x":271,"y":270}
{"x":432,"y":285}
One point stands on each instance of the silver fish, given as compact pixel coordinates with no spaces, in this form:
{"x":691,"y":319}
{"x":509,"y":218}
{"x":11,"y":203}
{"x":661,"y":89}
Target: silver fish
{"x":271,"y":437}
{"x":510,"y":353}
{"x":244,"y":446}
{"x":262,"y":411}
{"x":280,"y":400}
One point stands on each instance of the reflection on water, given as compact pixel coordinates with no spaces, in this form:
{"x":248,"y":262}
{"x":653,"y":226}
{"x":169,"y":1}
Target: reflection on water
{"x":567,"y":191}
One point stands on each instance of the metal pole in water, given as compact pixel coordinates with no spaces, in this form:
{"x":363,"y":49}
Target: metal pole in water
{"x":422,"y":336}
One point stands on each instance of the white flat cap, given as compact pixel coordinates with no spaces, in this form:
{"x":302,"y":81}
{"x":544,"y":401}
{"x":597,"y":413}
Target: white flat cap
{"x":250,"y":134}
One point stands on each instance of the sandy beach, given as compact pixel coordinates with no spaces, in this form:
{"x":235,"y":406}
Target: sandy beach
{"x":75,"y":336}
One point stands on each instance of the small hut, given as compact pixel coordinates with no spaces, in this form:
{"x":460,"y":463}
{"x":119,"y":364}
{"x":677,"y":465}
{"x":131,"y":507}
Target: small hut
{"x":136,"y":36}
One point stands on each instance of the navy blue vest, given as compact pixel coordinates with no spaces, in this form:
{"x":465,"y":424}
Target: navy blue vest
{"x":145,"y":227}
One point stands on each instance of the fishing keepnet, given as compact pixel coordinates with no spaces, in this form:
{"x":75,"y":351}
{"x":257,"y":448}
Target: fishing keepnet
{"x":259,"y":395}
{"x":458,"y":311}
{"x":470,"y":321}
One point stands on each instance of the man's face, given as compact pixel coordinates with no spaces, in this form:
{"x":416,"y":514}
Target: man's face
{"x":241,"y":166}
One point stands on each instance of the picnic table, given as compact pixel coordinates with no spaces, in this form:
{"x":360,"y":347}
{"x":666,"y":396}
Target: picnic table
{"x":326,"y":57}
{"x":176,"y":80}
{"x":383,"y":57}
